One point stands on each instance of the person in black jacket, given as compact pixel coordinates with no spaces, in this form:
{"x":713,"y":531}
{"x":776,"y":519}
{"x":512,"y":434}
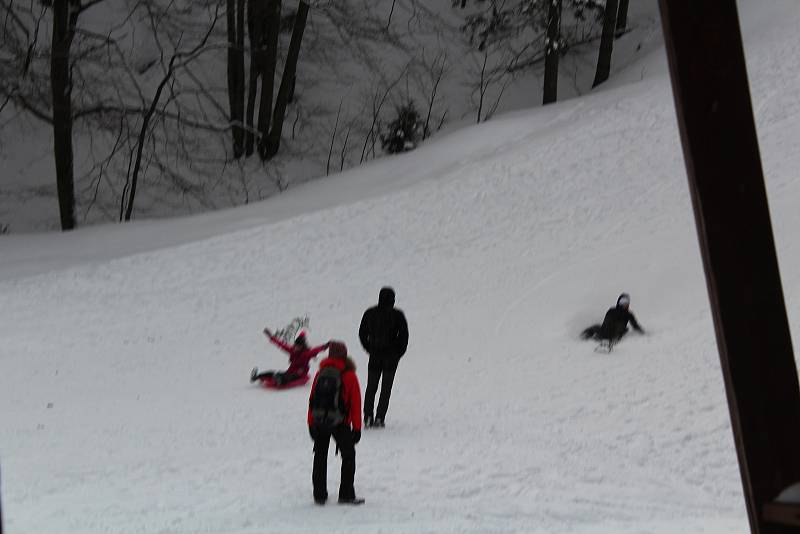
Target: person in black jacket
{"x":384,"y":335}
{"x":615,"y":323}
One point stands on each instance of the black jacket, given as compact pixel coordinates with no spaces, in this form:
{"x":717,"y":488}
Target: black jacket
{"x":615,"y":323}
{"x":384,"y":331}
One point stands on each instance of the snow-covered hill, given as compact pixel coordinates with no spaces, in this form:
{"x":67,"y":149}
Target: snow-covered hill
{"x":126,"y":350}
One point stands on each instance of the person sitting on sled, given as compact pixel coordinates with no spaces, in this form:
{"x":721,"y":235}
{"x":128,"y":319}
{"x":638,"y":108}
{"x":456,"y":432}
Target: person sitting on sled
{"x":299,"y":356}
{"x":615,"y":323}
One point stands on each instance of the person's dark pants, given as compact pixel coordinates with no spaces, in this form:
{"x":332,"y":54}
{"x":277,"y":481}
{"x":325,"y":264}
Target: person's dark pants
{"x":591,"y":332}
{"x":319,"y":476}
{"x":596,"y":332}
{"x":264,"y":374}
{"x":286,"y":377}
{"x":280,"y":377}
{"x":379,"y":367}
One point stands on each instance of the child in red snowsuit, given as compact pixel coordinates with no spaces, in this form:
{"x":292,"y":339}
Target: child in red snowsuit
{"x":299,"y":356}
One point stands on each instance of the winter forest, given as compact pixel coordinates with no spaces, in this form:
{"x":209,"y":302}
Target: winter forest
{"x":115,"y":110}
{"x":390,"y":266}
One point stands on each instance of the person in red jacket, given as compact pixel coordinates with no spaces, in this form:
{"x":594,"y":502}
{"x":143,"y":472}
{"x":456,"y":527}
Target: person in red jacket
{"x":334,"y":410}
{"x":299,"y":356}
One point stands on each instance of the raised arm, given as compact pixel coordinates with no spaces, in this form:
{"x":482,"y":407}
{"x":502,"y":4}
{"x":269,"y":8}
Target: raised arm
{"x":277,"y":341}
{"x":312,"y":353}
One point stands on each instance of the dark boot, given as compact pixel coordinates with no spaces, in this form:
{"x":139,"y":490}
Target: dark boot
{"x":351,"y":500}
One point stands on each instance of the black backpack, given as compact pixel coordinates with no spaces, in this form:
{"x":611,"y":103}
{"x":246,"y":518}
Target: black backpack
{"x":327,"y":402}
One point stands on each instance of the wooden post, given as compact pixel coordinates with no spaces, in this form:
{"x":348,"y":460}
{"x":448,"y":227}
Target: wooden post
{"x":715,"y":116}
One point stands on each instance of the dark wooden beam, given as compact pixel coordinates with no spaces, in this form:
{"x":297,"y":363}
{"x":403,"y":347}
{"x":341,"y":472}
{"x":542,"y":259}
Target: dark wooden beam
{"x":715,"y":116}
{"x":782,"y":514}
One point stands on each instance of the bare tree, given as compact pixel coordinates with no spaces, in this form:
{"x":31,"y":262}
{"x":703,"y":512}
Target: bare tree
{"x":65,"y":19}
{"x":483,"y":84}
{"x":391,"y":12}
{"x":93,"y":83}
{"x":429,"y":81}
{"x":236,"y":73}
{"x":154,"y":131}
{"x":493,"y":71}
{"x":287,"y":81}
{"x":178,"y":60}
{"x":552,"y":52}
{"x":622,"y":17}
{"x":517,"y":35}
{"x":606,"y":43}
{"x":333,"y":139}
{"x":255,"y":30}
{"x":268,"y":61}
{"x":343,"y":154}
{"x":379,"y":97}
{"x":166,"y":136}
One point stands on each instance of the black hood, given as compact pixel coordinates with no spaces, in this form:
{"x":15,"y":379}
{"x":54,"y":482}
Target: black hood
{"x":386,"y":298}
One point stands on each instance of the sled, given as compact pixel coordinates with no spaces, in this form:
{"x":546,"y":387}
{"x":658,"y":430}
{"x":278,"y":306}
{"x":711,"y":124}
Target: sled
{"x":605,"y":346}
{"x":269,"y":382}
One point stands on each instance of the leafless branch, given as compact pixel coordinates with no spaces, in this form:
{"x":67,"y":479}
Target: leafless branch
{"x":178,"y":60}
{"x":377,"y":105}
{"x":333,"y":138}
{"x":89,"y":5}
{"x":28,"y":106}
{"x":343,"y":154}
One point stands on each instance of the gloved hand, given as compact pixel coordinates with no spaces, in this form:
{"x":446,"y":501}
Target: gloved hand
{"x":313,"y":432}
{"x":356,"y":436}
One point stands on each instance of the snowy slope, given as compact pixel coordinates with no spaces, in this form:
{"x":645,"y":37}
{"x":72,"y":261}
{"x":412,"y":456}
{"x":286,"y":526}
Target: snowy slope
{"x":125,"y":351}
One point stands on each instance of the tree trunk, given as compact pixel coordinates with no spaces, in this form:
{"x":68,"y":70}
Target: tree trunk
{"x":389,"y":22}
{"x":552,"y":52}
{"x":269,"y":58}
{"x":622,"y":17}
{"x":606,"y":43}
{"x":137,"y":164}
{"x":254,"y":31}
{"x":251,"y":106}
{"x":230,"y":16}
{"x":64,"y":19}
{"x":293,"y":54}
{"x":240,"y":32}
{"x":235,"y":16}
